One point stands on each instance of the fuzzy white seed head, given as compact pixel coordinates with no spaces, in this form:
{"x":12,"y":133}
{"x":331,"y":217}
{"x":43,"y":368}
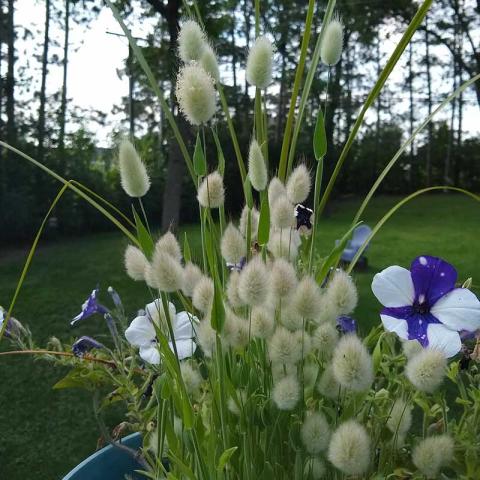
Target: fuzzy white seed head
{"x":325,"y":339}
{"x":259,"y":63}
{"x":315,"y":433}
{"x":400,"y":418}
{"x":286,"y":392}
{"x":191,"y":377}
{"x":352,"y":364}
{"x":254,"y":217}
{"x":135,"y":263}
{"x":298,"y":184}
{"x":211,"y":193}
{"x":283,"y":280}
{"x":253,"y":284}
{"x":233,"y":245}
{"x":282,"y":244}
{"x":426,"y":370}
{"x":280,"y":371}
{"x":133,"y":173}
{"x":192,"y":274}
{"x":232,"y":290}
{"x":257,"y":170}
{"x":282,"y":213}
{"x":314,"y":468}
{"x":284,"y":348}
{"x":433,"y":453}
{"x":149,"y":276}
{"x":203,"y":292}
{"x":235,"y":331}
{"x":290,"y":318}
{"x":191,"y":41}
{"x":208,"y":60}
{"x":327,"y":384}
{"x":195,"y":94}
{"x":342,"y":293}
{"x":168,"y":243}
{"x":328,"y":312}
{"x":276,"y":189}
{"x":262,"y":322}
{"x":411,"y":348}
{"x":167,"y":273}
{"x":307,"y":298}
{"x":206,"y":337}
{"x":332,"y":45}
{"x":349,"y":449}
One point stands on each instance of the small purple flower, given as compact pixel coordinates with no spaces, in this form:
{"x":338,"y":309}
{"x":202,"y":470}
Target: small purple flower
{"x":237,"y":266}
{"x":14,"y":328}
{"x":346,"y":324}
{"x":85,"y":344}
{"x":89,"y":308}
{"x":423,"y":304}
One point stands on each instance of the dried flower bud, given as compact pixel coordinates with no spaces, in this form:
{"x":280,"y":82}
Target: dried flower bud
{"x":195,"y":94}
{"x":342,"y":292}
{"x":203,"y":292}
{"x":433,"y":453}
{"x":167,"y":273}
{"x":259,"y":63}
{"x":307,"y":298}
{"x":315,"y":433}
{"x":332,"y":44}
{"x":168,"y":243}
{"x":253,"y":285}
{"x":133,"y":173}
{"x":192,"y":274}
{"x":191,"y":41}
{"x":298,"y":184}
{"x":208,"y":60}
{"x":286,"y":393}
{"x":257,"y":170}
{"x":426,"y":369}
{"x":211,"y":193}
{"x":135,"y":263}
{"x":282,"y":213}
{"x":233,"y":245}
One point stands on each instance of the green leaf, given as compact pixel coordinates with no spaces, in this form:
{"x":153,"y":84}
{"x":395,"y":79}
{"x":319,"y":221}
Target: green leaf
{"x":264,"y":221}
{"x":319,"y":138}
{"x":187,"y":253}
{"x":225,"y":458}
{"x":221,"y":157}
{"x":377,"y":353}
{"x":199,"y":162}
{"x":217,"y":318}
{"x":144,"y":238}
{"x":247,"y":189}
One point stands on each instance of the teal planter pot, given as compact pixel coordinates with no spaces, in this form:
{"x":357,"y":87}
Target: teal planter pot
{"x":109,"y":463}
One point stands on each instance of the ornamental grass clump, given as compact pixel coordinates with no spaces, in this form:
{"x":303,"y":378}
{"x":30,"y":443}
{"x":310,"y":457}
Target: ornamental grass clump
{"x":247,"y":356}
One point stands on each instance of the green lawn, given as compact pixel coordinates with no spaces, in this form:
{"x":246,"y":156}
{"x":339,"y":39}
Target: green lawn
{"x":45,"y":432}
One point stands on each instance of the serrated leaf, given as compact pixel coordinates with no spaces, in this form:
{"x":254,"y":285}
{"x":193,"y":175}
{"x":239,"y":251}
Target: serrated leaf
{"x":199,"y":162}
{"x":319,"y":138}
{"x":264,"y":221}
{"x":143,"y":236}
{"x":225,"y":458}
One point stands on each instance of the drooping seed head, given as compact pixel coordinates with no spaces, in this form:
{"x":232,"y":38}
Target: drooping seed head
{"x":133,"y":173}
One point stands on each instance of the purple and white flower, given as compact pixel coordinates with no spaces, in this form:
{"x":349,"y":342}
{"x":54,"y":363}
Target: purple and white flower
{"x":89,"y":308}
{"x":346,"y":324}
{"x":85,"y":344}
{"x":141,"y":332}
{"x":423,"y":304}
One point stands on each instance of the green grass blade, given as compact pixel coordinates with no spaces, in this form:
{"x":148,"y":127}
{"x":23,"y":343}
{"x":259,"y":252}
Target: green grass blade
{"x":395,"y":208}
{"x":372,"y":96}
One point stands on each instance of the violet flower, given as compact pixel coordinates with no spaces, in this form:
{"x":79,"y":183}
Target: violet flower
{"x":304,"y":216}
{"x":423,"y":304}
{"x":85,"y":344}
{"x":89,"y":308}
{"x":346,"y":324}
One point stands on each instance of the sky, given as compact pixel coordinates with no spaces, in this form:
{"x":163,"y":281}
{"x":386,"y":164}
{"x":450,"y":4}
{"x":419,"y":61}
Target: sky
{"x":96,"y":58}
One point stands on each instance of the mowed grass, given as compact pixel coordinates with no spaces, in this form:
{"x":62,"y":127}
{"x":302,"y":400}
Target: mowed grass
{"x":45,"y":432}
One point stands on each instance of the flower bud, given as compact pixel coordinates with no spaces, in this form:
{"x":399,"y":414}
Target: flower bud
{"x":133,"y":173}
{"x":211,"y":193}
{"x":257,"y":170}
{"x":135,"y":263}
{"x":433,"y":453}
{"x":192,"y":274}
{"x":282,"y":213}
{"x":426,"y":369}
{"x":202,"y":298}
{"x":253,"y":285}
{"x":298,"y":184}
{"x":233,"y":245}
{"x":208,"y":60}
{"x":259,"y":63}
{"x":195,"y":94}
{"x":332,"y":43}
{"x":168,"y":243}
{"x":286,"y":393}
{"x":191,"y":41}
{"x":342,"y":292}
{"x":167,"y":273}
{"x":315,"y":433}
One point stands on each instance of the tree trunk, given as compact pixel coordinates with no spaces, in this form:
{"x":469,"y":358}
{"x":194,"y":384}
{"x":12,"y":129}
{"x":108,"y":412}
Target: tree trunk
{"x":428,"y":157}
{"x":10,"y":80}
{"x":63,"y":106}
{"x":41,"y":112}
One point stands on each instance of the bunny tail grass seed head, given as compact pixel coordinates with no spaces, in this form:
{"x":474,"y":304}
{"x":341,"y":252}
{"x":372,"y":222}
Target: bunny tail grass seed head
{"x":282,"y":244}
{"x":191,"y":377}
{"x":332,"y":44}
{"x":275,"y":189}
{"x":192,"y":274}
{"x":133,"y":173}
{"x":203,"y":292}
{"x":253,"y":284}
{"x":349,"y":449}
{"x":206,"y":337}
{"x":315,"y":433}
{"x":286,"y":393}
{"x":254,"y":217}
{"x":433,"y":453}
{"x":426,"y":370}
{"x":342,"y":292}
{"x":195,"y":94}
{"x":167,"y":272}
{"x":283,"y":280}
{"x":211,"y":193}
{"x":290,"y":318}
{"x":259,"y":63}
{"x":168,"y":243}
{"x":257,"y":170}
{"x":298,"y":184}
{"x":135,"y":263}
{"x":327,"y":385}
{"x":208,"y":60}
{"x":283,"y":347}
{"x":307,"y":298}
{"x":400,"y":418}
{"x":191,"y":41}
{"x":282,"y":213}
{"x":232,"y":290}
{"x":411,"y":348}
{"x":262,"y":322}
{"x":352,"y":364}
{"x":233,"y":245}
{"x":325,"y":339}
{"x":314,"y":468}
{"x":235,"y":331}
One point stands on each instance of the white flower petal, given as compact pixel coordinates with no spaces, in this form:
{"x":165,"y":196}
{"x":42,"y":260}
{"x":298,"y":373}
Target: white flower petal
{"x":184,"y":326}
{"x":393,"y":287}
{"x":185,"y":348}
{"x":150,"y":354}
{"x":140,"y":332}
{"x":444,"y":339}
{"x":396,"y":325}
{"x":155,"y":311}
{"x":458,"y":310}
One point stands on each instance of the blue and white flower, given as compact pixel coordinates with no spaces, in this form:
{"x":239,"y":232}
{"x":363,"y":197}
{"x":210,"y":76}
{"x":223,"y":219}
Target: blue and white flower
{"x":141,"y":332}
{"x":423,"y":304}
{"x":89,"y":308}
{"x":85,"y":344}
